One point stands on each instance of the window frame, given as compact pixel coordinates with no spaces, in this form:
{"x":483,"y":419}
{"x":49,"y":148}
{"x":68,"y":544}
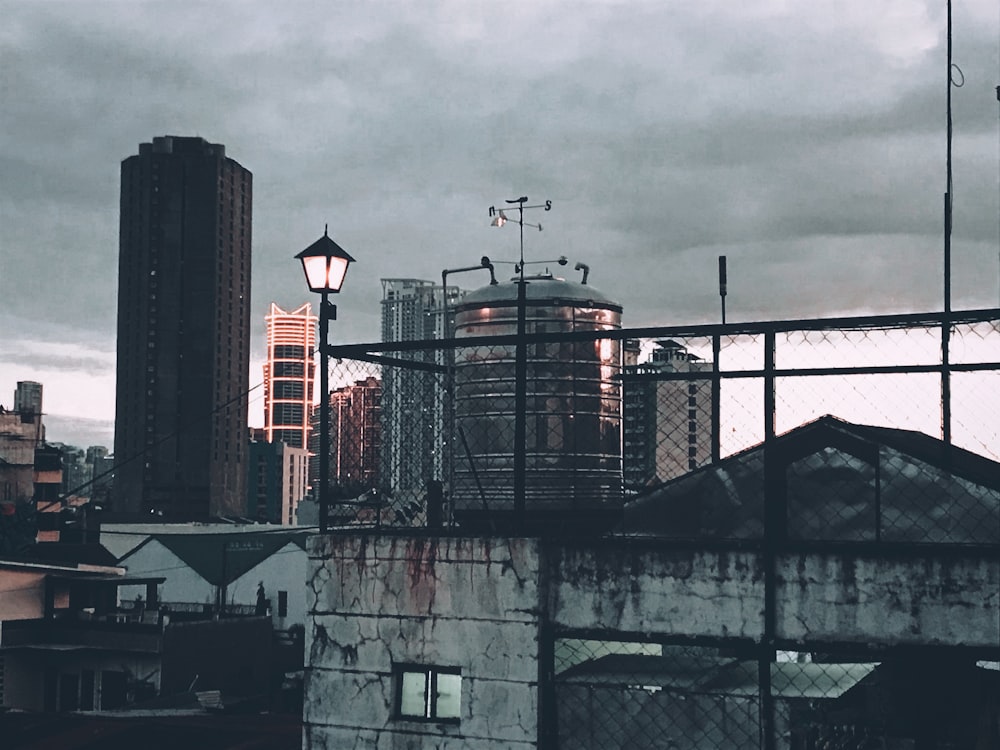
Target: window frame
{"x":430,"y":672}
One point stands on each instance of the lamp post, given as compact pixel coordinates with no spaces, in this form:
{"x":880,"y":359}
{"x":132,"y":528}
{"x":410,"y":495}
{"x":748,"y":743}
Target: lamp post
{"x":325,"y":265}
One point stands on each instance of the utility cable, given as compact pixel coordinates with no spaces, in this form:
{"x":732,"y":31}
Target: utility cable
{"x":180,"y":430}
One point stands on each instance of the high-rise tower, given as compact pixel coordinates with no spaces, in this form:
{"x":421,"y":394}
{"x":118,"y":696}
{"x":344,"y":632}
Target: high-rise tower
{"x":289,"y":374}
{"x":28,"y":397}
{"x":667,"y":426}
{"x":356,"y":434}
{"x":413,"y":405}
{"x":183,"y":330}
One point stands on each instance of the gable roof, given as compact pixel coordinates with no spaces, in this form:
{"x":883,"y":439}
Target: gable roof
{"x":839,"y":481}
{"x":222,"y":558}
{"x":931,"y":450}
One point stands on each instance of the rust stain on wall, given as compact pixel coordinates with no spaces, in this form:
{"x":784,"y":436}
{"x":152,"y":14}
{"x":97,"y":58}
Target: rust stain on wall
{"x":421,"y":559}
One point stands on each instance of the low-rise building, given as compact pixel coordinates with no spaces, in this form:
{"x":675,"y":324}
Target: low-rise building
{"x":71,"y":641}
{"x":228,"y":572}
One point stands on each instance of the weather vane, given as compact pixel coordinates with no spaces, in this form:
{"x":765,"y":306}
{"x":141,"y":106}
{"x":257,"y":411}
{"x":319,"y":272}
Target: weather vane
{"x":500,"y":218}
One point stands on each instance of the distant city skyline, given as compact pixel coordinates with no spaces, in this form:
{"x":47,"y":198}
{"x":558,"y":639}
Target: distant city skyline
{"x":805,"y":141}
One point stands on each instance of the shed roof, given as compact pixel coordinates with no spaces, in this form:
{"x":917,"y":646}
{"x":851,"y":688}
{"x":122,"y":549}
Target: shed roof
{"x":719,"y":675}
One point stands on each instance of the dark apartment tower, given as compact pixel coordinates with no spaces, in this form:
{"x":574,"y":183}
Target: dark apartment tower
{"x":183,"y":331}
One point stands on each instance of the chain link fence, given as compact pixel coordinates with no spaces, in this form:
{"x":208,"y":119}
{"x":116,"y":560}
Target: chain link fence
{"x":867,"y":433}
{"x":444,"y":431}
{"x":646,"y":694}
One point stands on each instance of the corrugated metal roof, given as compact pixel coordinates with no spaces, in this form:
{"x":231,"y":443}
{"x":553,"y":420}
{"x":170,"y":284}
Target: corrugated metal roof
{"x":718,"y":675}
{"x":843,"y":481}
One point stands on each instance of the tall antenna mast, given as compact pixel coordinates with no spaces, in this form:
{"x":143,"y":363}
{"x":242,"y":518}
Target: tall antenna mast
{"x":948,"y":181}
{"x":946,"y":321}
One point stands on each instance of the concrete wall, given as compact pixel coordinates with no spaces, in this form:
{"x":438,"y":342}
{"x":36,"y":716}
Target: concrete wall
{"x":479,"y":604}
{"x":376,"y":602}
{"x":938,"y":597}
{"x":22,"y":595}
{"x":681,"y":592}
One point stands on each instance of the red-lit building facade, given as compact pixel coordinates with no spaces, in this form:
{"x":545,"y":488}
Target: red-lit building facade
{"x":355,"y":435}
{"x":289,"y":374}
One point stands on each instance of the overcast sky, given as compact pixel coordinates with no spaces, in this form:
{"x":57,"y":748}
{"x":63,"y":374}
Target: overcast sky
{"x":804,"y":140}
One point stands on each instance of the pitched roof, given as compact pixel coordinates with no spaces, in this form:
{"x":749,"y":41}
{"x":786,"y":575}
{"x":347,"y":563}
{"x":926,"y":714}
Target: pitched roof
{"x":958,"y":461}
{"x":840,"y":481}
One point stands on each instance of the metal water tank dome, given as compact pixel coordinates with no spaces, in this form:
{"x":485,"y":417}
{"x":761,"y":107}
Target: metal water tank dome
{"x":573,"y":405}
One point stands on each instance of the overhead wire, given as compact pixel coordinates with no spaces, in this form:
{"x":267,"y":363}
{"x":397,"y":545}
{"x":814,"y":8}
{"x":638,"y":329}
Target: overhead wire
{"x":180,"y":430}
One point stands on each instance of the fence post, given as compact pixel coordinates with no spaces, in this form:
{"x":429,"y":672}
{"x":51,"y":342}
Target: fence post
{"x":774,"y":520}
{"x":548,"y":720}
{"x":716,"y":398}
{"x":520,"y":405}
{"x":946,"y":384}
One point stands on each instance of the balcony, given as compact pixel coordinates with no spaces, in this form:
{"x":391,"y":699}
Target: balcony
{"x":71,"y":634}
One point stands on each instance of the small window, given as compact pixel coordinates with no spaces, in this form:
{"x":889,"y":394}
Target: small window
{"x":282,"y":604}
{"x":428,"y":693}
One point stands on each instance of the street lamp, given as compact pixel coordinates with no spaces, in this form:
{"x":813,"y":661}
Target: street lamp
{"x":325,"y":265}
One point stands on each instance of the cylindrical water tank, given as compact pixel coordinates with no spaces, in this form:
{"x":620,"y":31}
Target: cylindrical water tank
{"x":573,"y":404}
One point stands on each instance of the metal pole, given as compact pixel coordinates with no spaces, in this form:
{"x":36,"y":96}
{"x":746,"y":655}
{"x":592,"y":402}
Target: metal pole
{"x":774,"y":524}
{"x":324,"y":414}
{"x":946,"y":330}
{"x":716,"y":398}
{"x":946,"y":323}
{"x":716,"y":375}
{"x":722,"y":285}
{"x":520,"y":390}
{"x":948,"y":179}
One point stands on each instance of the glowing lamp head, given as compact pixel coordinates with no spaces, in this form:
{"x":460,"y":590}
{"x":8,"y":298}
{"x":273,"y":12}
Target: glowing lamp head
{"x":325,"y":265}
{"x":499,"y":220}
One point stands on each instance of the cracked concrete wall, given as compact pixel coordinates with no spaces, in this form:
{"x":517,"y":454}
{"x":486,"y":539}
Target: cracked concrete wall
{"x":681,"y":592}
{"x":479,"y":604}
{"x":934,"y":598}
{"x":449,"y":602}
{"x":944,"y":598}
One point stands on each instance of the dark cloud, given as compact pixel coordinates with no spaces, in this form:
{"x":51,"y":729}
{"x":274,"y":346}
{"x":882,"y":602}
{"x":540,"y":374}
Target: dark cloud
{"x":806,"y":141}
